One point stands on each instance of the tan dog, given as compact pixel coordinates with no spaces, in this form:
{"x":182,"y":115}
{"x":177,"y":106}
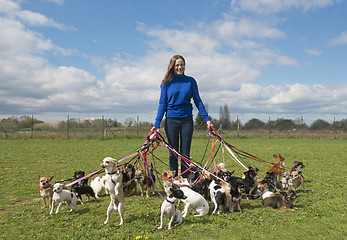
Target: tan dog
{"x":279,"y":167}
{"x":46,"y":190}
{"x":263,"y":190}
{"x":168,"y":181}
{"x":295,"y":180}
{"x":115,"y":187}
{"x":228,"y":206}
{"x":129,"y":183}
{"x":144,"y":181}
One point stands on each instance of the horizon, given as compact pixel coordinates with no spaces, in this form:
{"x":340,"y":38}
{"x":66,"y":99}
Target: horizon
{"x":233,"y":117}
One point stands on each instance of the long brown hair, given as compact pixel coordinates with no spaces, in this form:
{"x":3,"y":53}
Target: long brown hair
{"x":171,"y":69}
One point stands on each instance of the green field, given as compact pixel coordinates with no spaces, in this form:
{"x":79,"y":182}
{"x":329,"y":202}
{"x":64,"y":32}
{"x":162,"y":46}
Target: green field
{"x":320,"y":213}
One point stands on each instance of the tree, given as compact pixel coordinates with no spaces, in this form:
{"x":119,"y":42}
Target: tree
{"x":253,"y":124}
{"x":236,"y":125}
{"x":270,"y":124}
{"x":199,"y":121}
{"x":285,"y":124}
{"x":9,"y":124}
{"x":339,"y":125}
{"x":129,"y":121}
{"x":27,"y":121}
{"x":320,"y":124}
{"x":300,"y":123}
{"x":224,"y":117}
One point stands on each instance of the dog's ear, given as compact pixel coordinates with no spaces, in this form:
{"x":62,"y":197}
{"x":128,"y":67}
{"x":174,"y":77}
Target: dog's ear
{"x":51,"y":178}
{"x":39,"y":177}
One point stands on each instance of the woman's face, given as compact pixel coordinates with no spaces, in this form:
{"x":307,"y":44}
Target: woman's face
{"x":179,"y":67}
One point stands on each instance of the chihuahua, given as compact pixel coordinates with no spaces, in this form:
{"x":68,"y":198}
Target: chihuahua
{"x":115,"y":187}
{"x":46,"y":190}
{"x":169,"y":210}
{"x":60,"y":195}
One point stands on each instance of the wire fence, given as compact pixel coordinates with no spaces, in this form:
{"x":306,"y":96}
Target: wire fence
{"x":107,"y":128}
{"x":142,"y":132}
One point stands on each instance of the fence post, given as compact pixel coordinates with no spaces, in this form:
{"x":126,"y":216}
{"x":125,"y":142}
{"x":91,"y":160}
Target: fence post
{"x":68,"y":126}
{"x":32,"y":126}
{"x":238,"y":126}
{"x":102,"y":127}
{"x":137,"y":125}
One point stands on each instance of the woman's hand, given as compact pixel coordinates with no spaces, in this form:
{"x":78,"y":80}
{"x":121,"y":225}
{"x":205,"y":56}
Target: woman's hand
{"x":209,"y":124}
{"x":155,"y":129}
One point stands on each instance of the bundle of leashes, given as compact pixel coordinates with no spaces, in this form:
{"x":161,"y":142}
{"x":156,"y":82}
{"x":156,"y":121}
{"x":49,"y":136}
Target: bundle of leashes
{"x":237,"y":154}
{"x":155,"y":139}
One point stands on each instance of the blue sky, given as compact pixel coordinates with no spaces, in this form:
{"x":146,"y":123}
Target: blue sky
{"x":83,"y":58}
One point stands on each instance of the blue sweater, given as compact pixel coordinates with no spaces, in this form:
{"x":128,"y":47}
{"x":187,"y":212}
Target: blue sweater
{"x":175,"y":97}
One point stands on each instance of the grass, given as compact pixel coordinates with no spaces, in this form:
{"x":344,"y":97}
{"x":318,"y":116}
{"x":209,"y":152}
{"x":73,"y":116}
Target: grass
{"x":321,"y":212}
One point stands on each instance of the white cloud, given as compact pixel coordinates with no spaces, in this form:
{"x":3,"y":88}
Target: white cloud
{"x":8,"y":6}
{"x":186,"y":41}
{"x":246,"y":28}
{"x":13,"y":9}
{"x":275,"y":6}
{"x":58,"y":2}
{"x":342,"y":39}
{"x":314,"y":52}
{"x":37,"y":19}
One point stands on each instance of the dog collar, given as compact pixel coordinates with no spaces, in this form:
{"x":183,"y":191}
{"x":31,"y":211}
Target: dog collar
{"x":112,"y":173}
{"x":169,"y":201}
{"x":185,"y":186}
{"x":46,"y":187}
{"x":60,"y":191}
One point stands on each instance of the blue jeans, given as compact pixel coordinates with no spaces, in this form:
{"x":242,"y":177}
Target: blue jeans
{"x":179,"y":133}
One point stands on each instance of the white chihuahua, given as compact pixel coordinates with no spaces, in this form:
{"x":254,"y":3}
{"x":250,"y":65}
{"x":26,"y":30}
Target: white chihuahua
{"x":169,"y":210}
{"x":61,"y":195}
{"x":115,"y":187}
{"x":194,"y":200}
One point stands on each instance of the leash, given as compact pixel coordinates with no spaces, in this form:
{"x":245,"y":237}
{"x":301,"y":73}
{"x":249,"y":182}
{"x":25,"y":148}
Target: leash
{"x":150,"y":175}
{"x":85,"y":177}
{"x":158,"y":137}
{"x":278,"y":190}
{"x":239,"y":152}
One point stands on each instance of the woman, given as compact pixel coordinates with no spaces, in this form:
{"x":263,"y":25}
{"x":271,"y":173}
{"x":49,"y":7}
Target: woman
{"x":177,"y":90}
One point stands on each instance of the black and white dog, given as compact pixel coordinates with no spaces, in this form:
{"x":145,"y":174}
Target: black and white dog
{"x":169,"y":210}
{"x":60,"y":195}
{"x":194,"y":200}
{"x":218,"y":196}
{"x":83,"y":189}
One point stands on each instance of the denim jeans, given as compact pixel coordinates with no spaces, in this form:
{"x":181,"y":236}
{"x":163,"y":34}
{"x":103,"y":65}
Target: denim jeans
{"x":179,"y":133}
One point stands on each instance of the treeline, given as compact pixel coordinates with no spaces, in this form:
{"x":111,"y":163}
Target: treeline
{"x":225,"y":123}
{"x":25,"y":122}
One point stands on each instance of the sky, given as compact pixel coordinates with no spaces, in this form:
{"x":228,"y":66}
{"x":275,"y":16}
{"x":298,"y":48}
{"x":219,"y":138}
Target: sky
{"x":265,"y":59}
